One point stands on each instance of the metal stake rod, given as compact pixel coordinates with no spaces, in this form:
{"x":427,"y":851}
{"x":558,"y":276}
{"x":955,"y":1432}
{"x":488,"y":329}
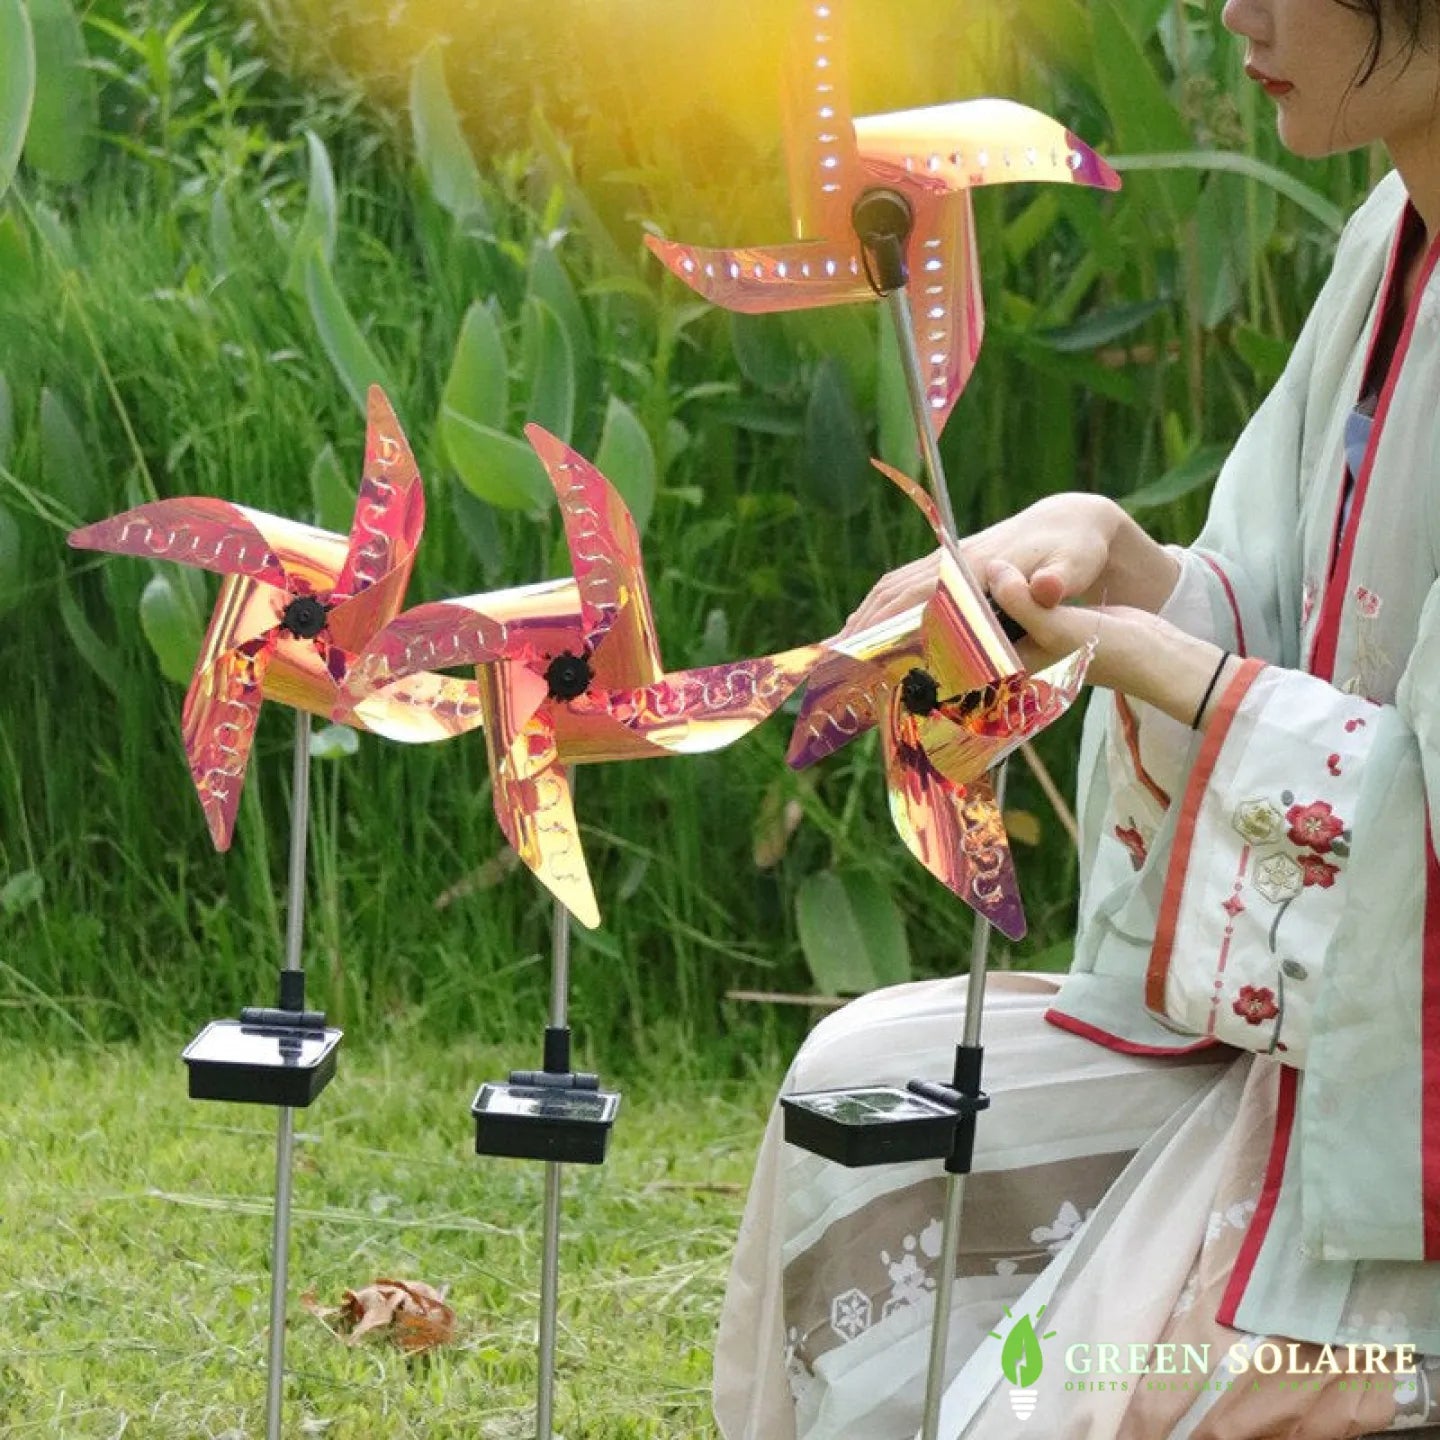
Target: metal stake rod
{"x":285,"y":1139}
{"x":550,"y":1261}
{"x":898,"y":304}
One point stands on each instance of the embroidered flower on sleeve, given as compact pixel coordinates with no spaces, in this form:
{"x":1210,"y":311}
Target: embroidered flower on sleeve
{"x":1255,"y":1004}
{"x":1279,"y":878}
{"x":1318,"y":872}
{"x":1258,"y":822}
{"x":1367,"y":602}
{"x":1316,"y":826}
{"x":1133,"y":841}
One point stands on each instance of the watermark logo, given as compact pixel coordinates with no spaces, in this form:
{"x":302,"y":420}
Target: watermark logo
{"x":1021,"y":1360}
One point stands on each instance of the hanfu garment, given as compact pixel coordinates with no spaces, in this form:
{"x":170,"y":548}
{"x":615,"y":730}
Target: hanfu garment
{"x":1225,"y":1126}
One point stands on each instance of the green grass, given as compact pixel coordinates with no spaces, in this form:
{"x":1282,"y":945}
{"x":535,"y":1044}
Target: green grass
{"x":135,"y":1234}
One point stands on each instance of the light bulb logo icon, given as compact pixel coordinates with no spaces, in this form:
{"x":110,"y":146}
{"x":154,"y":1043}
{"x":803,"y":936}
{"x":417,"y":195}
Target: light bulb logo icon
{"x":1022,"y":1361}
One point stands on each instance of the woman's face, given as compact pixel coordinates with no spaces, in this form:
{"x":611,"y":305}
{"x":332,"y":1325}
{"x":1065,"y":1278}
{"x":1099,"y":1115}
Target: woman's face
{"x":1309,"y":55}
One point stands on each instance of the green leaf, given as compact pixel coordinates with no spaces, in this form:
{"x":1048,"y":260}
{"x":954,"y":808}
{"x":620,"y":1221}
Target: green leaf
{"x":1266,"y":355}
{"x":837,"y":461}
{"x":1100,"y":327}
{"x":171,"y":627}
{"x":851,"y":931}
{"x":479,"y":383}
{"x":1057,"y":32}
{"x":318,"y":227}
{"x":440,"y":145}
{"x":100,"y":657}
{"x":549,"y":282}
{"x":54,"y":236}
{"x":17,"y":265}
{"x":1195,"y":471}
{"x":12,"y":562}
{"x":499,"y":469}
{"x":332,"y":496}
{"x":7,"y":423}
{"x":222,"y":230}
{"x":66,"y":471}
{"x":481,"y":528}
{"x":613,"y":260}
{"x":898,"y":443}
{"x":1221,"y":243}
{"x":548,"y":367}
{"x":765,"y":353}
{"x":23,"y":889}
{"x":627,"y":459}
{"x":17,"y":85}
{"x":350,"y":353}
{"x":1021,"y":1359}
{"x":62,"y":141}
{"x":1143,"y":115}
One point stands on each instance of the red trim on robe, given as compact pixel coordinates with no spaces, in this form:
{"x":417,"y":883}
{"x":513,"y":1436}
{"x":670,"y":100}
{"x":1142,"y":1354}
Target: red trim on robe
{"x":1215,"y":735}
{"x":1130,"y":729}
{"x":1083,"y":1028}
{"x":1224,"y":579}
{"x":1332,"y":603}
{"x":1265,"y":1207}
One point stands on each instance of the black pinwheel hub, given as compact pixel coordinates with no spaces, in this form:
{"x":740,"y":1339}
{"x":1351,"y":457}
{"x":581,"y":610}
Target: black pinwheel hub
{"x":568,"y":676}
{"x":305,"y":617}
{"x":919,"y":693}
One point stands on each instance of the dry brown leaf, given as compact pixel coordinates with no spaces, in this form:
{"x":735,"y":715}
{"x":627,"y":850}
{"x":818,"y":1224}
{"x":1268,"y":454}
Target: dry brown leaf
{"x":415,"y":1314}
{"x":1023,"y":827}
{"x":778,"y":820}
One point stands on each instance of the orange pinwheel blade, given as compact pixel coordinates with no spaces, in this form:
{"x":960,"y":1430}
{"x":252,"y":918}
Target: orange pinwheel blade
{"x":965,"y":647}
{"x":618,"y":626}
{"x":688,"y":712}
{"x":970,"y":143}
{"x":389,"y":518}
{"x":208,"y":534}
{"x":217,"y":725}
{"x":955,"y":831}
{"x":762,"y":280}
{"x":532,"y":793}
{"x":967,"y":737}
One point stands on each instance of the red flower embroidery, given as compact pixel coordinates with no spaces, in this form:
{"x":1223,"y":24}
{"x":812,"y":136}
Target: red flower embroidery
{"x":1314,"y":826}
{"x":1256,"y":1004}
{"x":1134,"y":842}
{"x":1318,"y":872}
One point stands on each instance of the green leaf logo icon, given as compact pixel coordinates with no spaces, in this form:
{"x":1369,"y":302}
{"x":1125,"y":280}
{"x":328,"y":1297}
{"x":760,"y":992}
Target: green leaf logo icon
{"x":1021,"y":1359}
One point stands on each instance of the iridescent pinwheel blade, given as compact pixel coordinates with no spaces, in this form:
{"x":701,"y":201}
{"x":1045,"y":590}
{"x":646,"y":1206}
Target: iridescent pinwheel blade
{"x":217,"y":725}
{"x":389,"y":516}
{"x":981,"y":142}
{"x":955,"y":831}
{"x":209,"y":534}
{"x":532,"y":794}
{"x":819,"y":137}
{"x":421,"y":708}
{"x":967,"y":737}
{"x":761,"y":280}
{"x":688,"y":712}
{"x":965,"y":647}
{"x":847,"y":690}
{"x":526,"y":623}
{"x":618,"y":627}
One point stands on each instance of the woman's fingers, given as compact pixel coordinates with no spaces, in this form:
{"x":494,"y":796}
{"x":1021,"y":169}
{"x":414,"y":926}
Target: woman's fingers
{"x":893,"y":594}
{"x":1056,"y":629}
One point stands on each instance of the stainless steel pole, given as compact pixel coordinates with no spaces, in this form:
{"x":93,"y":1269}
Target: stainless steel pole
{"x":285,"y":1139}
{"x":550,"y":1260}
{"x":899,"y":307}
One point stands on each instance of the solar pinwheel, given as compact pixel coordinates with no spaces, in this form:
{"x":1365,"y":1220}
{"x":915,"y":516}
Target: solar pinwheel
{"x":932,"y":158}
{"x":296,"y":605}
{"x":929,"y":679}
{"x":569,"y":672}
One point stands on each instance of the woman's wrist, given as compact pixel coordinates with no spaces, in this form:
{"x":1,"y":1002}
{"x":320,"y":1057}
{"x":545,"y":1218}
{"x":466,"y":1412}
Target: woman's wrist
{"x":1164,"y":667}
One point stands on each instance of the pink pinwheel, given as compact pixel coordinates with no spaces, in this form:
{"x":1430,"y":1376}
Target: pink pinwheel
{"x":569,"y":672}
{"x":934,"y":679}
{"x":933,"y":157}
{"x":296,"y":604}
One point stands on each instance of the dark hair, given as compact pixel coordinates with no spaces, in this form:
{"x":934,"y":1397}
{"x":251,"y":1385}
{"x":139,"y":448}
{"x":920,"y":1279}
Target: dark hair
{"x":1411,"y":16}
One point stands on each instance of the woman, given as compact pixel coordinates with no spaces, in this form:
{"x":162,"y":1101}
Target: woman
{"x":1222,"y":1130}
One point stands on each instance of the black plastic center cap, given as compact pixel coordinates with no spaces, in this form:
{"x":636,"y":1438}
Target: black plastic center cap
{"x":919,"y":693}
{"x":305,"y":617}
{"x":568,"y":676}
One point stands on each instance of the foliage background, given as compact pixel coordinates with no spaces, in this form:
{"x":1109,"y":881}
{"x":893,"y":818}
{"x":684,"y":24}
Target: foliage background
{"x":227,"y":220}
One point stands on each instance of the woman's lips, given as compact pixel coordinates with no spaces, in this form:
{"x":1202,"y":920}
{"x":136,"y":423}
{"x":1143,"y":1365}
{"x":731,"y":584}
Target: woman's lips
{"x":1271,"y":86}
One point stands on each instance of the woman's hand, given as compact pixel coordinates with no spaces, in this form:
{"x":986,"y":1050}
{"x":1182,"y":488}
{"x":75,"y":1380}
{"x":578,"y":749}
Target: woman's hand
{"x":1067,"y":547}
{"x":1136,"y":652}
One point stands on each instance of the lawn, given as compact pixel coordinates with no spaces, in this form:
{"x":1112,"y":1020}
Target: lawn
{"x":135,"y":1233}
